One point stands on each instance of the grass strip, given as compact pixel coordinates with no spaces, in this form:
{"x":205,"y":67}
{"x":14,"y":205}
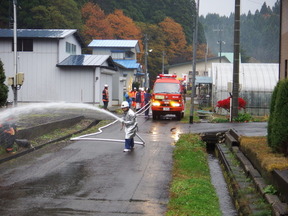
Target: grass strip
{"x":191,"y":191}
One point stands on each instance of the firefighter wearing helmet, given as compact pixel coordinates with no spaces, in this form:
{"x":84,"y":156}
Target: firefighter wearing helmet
{"x":129,"y":121}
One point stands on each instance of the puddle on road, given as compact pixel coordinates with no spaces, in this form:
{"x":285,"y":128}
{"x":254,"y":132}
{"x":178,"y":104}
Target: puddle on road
{"x":217,"y":178}
{"x":175,"y":133}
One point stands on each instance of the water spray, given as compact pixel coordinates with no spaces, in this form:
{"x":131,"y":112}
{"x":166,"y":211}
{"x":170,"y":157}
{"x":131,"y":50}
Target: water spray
{"x":85,"y":137}
{"x":25,"y":109}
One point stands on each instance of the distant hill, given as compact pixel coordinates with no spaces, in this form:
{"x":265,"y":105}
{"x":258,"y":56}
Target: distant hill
{"x":259,"y":33}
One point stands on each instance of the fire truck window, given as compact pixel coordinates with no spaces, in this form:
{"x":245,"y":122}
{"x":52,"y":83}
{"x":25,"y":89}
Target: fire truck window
{"x":167,"y":88}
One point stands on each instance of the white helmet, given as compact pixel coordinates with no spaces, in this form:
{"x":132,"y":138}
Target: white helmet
{"x":124,"y":104}
{"x":106,"y":85}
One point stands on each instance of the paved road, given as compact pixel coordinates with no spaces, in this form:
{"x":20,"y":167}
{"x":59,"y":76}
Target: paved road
{"x":92,"y":177}
{"x":96,"y":177}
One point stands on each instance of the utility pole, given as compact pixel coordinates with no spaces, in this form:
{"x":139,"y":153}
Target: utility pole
{"x":146,"y":59}
{"x":14,"y":86}
{"x":235,"y":90}
{"x":220,"y":42}
{"x":163,"y":58}
{"x":195,"y":39}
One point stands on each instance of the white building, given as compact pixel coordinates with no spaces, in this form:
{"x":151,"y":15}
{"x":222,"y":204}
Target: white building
{"x":202,"y":67}
{"x":54,"y":68}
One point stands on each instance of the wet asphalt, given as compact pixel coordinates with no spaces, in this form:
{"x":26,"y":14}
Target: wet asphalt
{"x":97,"y":177}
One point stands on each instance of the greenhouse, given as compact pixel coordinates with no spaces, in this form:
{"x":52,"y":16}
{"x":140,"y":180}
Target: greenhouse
{"x":257,"y":82}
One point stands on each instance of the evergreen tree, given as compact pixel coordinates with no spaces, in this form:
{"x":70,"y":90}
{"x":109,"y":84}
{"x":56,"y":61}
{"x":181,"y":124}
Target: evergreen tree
{"x":272,"y":114}
{"x":259,"y":36}
{"x":3,"y":87}
{"x":279,"y":127}
{"x":49,"y":14}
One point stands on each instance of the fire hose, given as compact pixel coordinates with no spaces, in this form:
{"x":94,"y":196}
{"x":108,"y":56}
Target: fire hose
{"x":85,"y":137}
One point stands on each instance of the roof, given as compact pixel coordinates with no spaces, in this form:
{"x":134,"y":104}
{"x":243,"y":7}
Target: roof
{"x":252,"y":77}
{"x":229,"y":56}
{"x":41,"y":33}
{"x":115,"y":43}
{"x":203,"y":80}
{"x":87,"y":60}
{"x":130,"y":64}
{"x":198,"y":61}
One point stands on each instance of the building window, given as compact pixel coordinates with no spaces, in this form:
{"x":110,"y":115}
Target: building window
{"x":129,"y":55}
{"x":196,"y":73}
{"x":118,"y":55}
{"x":24,"y":45}
{"x":70,"y":48}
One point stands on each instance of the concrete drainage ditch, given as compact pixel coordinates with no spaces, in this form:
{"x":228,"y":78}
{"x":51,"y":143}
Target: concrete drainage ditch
{"x":245,"y":183}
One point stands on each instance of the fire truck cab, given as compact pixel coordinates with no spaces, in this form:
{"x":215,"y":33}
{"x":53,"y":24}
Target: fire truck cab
{"x":167,"y":97}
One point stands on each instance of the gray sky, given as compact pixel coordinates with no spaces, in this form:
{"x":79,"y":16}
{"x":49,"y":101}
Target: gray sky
{"x":225,"y":7}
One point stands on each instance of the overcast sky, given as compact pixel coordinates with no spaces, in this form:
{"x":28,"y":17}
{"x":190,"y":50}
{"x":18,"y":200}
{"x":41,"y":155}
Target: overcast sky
{"x":225,"y":7}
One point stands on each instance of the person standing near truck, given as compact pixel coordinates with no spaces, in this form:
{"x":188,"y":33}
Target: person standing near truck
{"x":147,"y":99}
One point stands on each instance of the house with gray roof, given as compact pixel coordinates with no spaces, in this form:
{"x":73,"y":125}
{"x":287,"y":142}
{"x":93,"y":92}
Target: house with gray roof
{"x":55,"y":69}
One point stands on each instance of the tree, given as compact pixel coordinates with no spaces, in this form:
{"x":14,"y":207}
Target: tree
{"x":278,"y":139}
{"x":272,"y":113}
{"x":123,"y":27}
{"x":49,"y":14}
{"x":96,"y":24}
{"x":155,"y":43}
{"x":5,"y":14}
{"x":182,"y":11}
{"x":3,"y":87}
{"x":175,"y":41}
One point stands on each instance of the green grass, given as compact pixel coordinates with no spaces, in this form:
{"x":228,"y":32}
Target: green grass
{"x":191,"y":191}
{"x":186,"y":118}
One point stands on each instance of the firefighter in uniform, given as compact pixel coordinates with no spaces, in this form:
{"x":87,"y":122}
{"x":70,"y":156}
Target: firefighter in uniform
{"x":132,"y":95}
{"x":105,"y":96}
{"x":130,"y":122}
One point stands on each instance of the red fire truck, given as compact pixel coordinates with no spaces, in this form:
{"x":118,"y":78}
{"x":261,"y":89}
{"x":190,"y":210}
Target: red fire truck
{"x":167,"y":97}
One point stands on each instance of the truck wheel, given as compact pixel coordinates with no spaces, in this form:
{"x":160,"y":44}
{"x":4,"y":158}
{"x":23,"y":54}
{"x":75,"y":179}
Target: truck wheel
{"x":154,"y":115}
{"x":178,"y":116}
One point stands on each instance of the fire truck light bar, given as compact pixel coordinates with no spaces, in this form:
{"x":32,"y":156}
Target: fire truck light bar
{"x":168,"y":76}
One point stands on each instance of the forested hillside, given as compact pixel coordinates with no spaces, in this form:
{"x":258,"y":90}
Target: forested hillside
{"x":167,"y":24}
{"x":259,"y":33}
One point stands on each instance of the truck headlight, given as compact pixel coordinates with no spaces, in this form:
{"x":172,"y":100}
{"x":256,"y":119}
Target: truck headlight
{"x":155,"y":103}
{"x":175,"y":104}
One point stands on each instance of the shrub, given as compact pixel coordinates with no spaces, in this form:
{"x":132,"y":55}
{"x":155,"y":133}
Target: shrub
{"x":3,"y":87}
{"x":279,"y":124}
{"x":271,"y":117}
{"x":243,"y":117}
{"x":225,"y":104}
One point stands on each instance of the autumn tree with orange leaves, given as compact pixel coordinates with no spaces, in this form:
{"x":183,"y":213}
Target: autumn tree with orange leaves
{"x":96,"y":24}
{"x":174,"y":37}
{"x":123,"y":27}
